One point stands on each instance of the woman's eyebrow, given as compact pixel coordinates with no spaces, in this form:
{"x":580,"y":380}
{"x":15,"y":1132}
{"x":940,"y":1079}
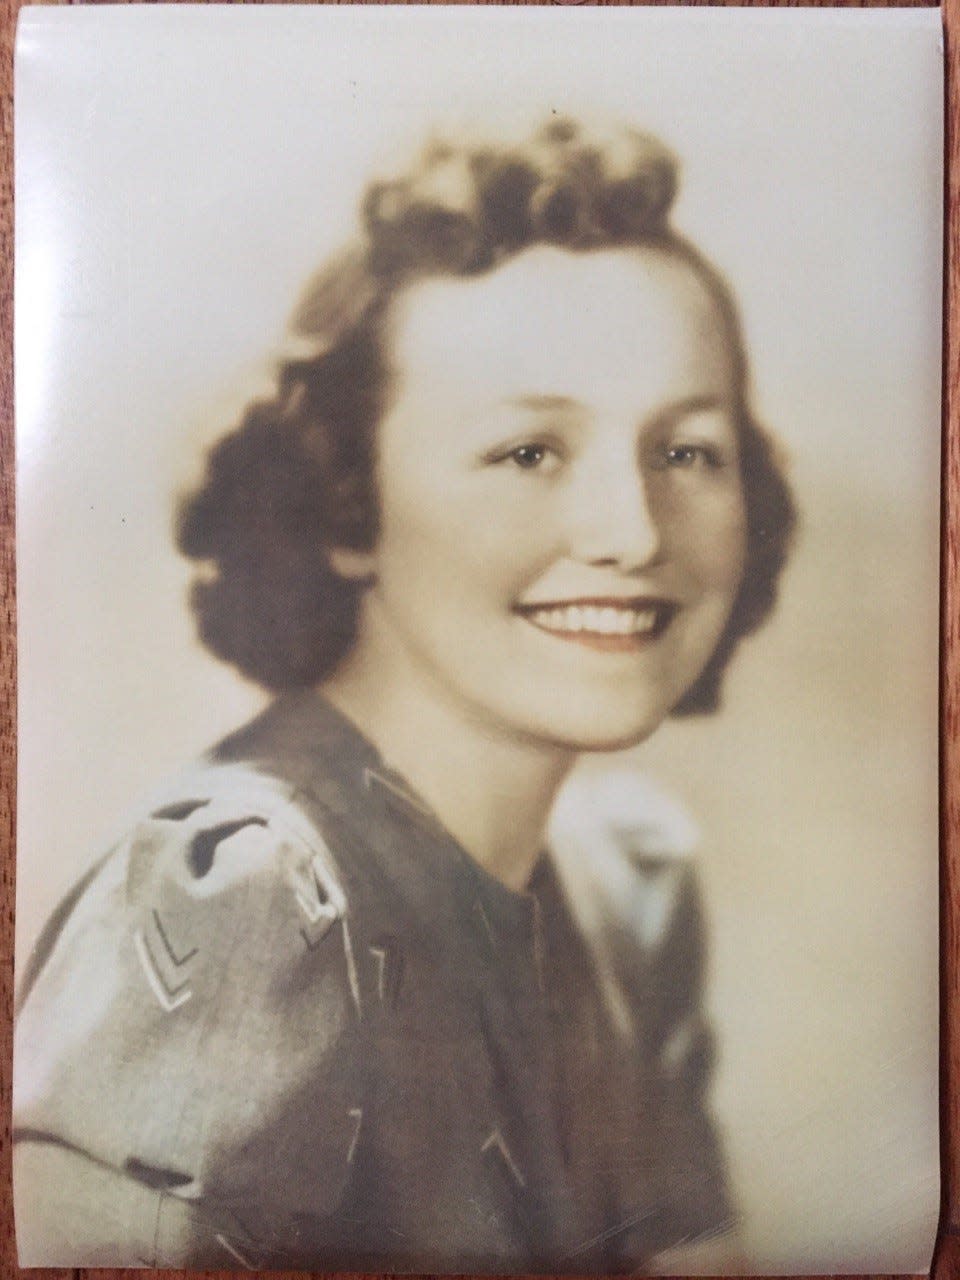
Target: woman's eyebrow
{"x":545,"y":403}
{"x":539,"y":403}
{"x":692,"y":404}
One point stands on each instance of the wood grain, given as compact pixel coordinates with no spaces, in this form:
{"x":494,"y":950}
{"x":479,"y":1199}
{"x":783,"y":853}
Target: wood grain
{"x":947,"y":1259}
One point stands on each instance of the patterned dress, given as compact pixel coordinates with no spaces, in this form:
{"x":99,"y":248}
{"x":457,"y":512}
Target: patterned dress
{"x":289,"y":1022}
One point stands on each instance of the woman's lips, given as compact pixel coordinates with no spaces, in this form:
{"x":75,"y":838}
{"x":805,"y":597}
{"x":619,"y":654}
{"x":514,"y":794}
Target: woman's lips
{"x":612,"y":626}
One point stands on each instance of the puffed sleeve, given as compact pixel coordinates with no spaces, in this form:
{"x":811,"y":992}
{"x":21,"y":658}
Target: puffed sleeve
{"x":681,"y":1053}
{"x":187,"y":1076}
{"x":626,"y":852}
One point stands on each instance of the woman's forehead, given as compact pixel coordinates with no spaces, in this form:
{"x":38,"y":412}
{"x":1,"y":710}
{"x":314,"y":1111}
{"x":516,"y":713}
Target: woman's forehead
{"x":560,"y":322}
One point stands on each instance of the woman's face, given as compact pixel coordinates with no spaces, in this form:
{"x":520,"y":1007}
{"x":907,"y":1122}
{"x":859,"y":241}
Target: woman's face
{"x":562,"y":514}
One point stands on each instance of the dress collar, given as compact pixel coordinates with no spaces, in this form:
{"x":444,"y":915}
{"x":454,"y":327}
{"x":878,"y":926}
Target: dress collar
{"x":327,"y":757}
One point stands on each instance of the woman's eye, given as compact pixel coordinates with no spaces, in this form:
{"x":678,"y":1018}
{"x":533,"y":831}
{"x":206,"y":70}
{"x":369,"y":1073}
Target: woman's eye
{"x":529,"y":456}
{"x":689,"y":456}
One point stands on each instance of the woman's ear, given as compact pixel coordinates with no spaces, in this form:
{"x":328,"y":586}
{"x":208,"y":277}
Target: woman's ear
{"x":355,"y":566}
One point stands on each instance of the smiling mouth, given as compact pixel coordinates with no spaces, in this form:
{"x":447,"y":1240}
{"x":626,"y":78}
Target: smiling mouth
{"x":618,"y":626}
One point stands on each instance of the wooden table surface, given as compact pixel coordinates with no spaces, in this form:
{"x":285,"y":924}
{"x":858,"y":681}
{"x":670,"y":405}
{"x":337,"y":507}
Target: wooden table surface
{"x":947,"y":1260}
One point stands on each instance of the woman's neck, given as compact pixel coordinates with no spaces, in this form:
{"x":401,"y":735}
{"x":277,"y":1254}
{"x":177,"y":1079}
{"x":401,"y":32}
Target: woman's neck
{"x":491,"y":790}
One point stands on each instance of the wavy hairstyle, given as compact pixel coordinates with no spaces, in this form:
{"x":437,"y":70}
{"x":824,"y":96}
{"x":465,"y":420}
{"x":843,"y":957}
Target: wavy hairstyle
{"x":296,"y":476}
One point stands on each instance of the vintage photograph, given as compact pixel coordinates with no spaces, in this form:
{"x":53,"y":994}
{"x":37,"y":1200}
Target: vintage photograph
{"x":478,"y":559}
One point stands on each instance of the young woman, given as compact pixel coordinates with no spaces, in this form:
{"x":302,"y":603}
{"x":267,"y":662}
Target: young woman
{"x":331,"y":1003}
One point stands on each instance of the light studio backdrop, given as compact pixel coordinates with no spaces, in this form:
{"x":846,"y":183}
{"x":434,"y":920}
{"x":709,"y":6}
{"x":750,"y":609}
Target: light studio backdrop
{"x":180,"y":174}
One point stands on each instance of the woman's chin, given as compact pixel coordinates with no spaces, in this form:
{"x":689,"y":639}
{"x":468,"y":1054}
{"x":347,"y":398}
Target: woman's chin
{"x":596,"y":731}
{"x":609,"y":742}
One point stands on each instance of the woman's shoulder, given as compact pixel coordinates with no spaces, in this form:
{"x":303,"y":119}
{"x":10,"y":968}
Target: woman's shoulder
{"x":246,"y":876}
{"x":221,"y":843}
{"x":202,"y":970}
{"x":625,"y":850}
{"x":625,"y":854}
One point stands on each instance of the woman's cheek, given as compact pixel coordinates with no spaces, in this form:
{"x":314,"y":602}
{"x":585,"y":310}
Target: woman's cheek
{"x":714,"y":538}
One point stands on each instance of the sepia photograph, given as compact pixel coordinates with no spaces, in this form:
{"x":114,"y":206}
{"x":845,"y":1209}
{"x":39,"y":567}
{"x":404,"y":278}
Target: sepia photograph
{"x":478,"y":525}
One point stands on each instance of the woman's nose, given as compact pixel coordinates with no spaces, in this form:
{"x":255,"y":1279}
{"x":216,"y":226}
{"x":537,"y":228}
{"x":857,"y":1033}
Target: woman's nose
{"x":613,"y":524}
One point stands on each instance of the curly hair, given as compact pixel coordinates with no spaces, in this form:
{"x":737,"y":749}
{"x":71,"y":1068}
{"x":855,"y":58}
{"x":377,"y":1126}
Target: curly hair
{"x":296,"y":476}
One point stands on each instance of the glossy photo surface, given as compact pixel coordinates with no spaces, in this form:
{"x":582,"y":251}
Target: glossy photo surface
{"x":478,"y":574}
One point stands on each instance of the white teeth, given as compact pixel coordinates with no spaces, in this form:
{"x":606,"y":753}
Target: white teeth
{"x":606,"y":620}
